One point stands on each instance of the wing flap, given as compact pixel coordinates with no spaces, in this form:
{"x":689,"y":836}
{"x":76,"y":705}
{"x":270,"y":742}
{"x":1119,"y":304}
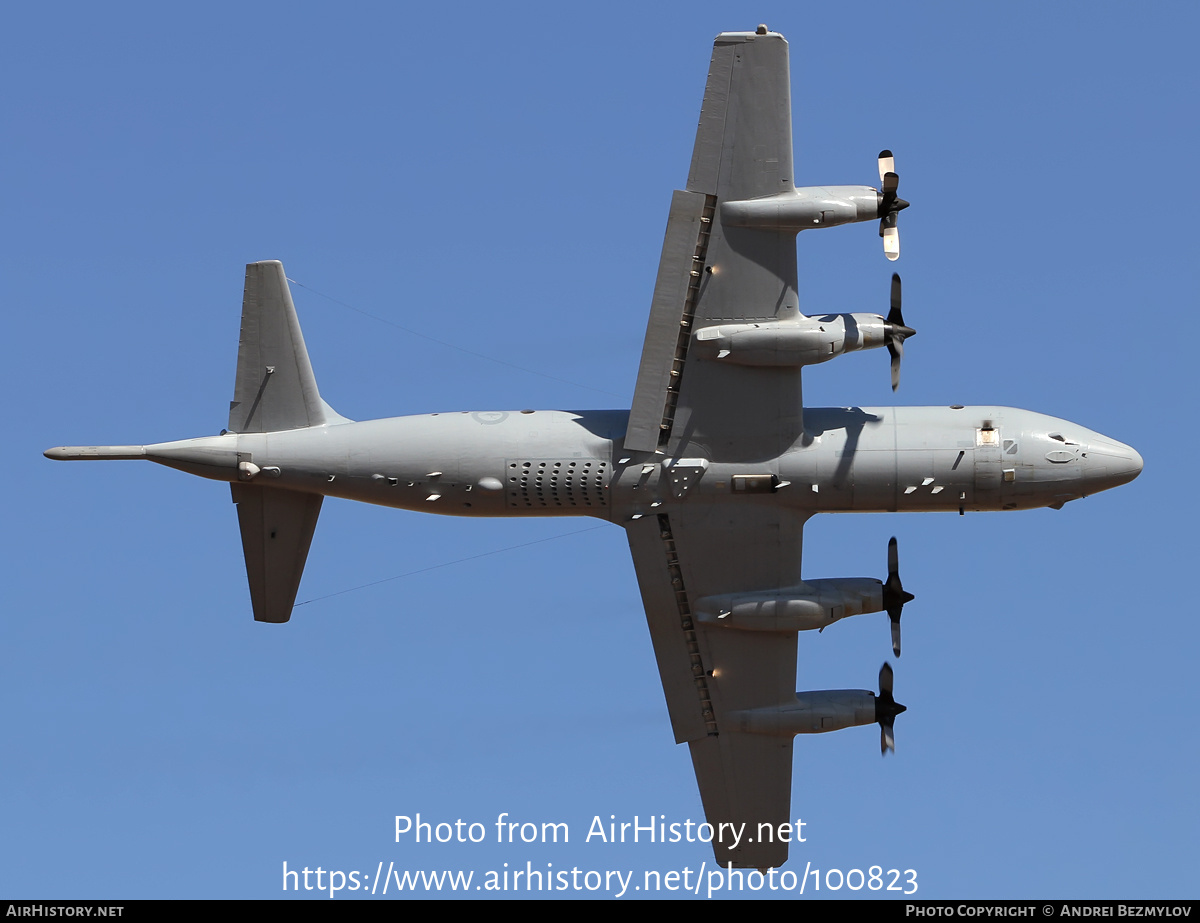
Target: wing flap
{"x":683,"y":253}
{"x":679,"y":660}
{"x":710,"y":133}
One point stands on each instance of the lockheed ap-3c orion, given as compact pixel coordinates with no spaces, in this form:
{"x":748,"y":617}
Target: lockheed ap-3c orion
{"x":712,"y":473}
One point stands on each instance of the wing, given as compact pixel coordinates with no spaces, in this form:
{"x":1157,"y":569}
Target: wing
{"x":710,"y":673}
{"x":711,"y":274}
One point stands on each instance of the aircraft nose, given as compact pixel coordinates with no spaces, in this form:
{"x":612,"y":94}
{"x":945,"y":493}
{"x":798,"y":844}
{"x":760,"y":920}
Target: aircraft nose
{"x":1109,"y":463}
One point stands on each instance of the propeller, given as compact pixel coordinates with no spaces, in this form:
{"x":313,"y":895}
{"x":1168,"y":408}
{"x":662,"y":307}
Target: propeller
{"x":894,"y":596}
{"x":890,"y":205}
{"x":895,"y":333}
{"x":886,"y":710}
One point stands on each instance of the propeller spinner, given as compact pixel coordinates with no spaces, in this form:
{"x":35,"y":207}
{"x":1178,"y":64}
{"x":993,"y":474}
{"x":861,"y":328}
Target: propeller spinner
{"x":890,"y":205}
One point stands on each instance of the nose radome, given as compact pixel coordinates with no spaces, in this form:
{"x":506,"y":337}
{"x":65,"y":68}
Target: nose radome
{"x":1134,"y":460}
{"x":1111,"y":464}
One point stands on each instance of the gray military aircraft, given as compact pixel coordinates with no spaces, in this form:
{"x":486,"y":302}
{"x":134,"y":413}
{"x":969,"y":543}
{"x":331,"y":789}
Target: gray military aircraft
{"x":712,"y":473}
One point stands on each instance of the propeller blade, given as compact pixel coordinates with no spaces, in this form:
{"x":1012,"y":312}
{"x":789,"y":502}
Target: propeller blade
{"x":889,"y":205}
{"x":886,"y":710}
{"x":894,"y":594}
{"x":895,"y":346}
{"x":887,"y":164}
{"x":891,"y":242}
{"x":896,"y":331}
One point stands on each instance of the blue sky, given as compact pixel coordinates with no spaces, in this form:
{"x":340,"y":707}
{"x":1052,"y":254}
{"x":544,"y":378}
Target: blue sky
{"x":498,"y":176}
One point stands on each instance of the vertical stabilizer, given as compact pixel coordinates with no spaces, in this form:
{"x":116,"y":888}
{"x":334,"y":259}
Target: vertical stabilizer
{"x":275,"y":390}
{"x":277,"y":530}
{"x":275,"y":387}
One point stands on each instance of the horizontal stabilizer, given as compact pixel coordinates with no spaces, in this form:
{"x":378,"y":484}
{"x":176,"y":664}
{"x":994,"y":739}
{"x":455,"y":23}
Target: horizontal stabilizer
{"x":275,"y":388}
{"x":277,"y":529}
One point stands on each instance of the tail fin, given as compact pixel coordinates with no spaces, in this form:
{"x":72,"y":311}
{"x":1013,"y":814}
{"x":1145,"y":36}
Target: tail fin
{"x":277,"y":528}
{"x":275,"y":388}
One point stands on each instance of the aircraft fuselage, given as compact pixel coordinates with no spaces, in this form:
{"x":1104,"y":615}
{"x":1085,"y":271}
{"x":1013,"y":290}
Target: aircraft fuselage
{"x":561,"y":463}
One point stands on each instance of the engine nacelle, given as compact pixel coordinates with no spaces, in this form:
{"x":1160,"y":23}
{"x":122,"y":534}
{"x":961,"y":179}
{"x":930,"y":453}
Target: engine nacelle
{"x":791,"y":343}
{"x":812,"y":713}
{"x":813,"y":604}
{"x":804,"y":208}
